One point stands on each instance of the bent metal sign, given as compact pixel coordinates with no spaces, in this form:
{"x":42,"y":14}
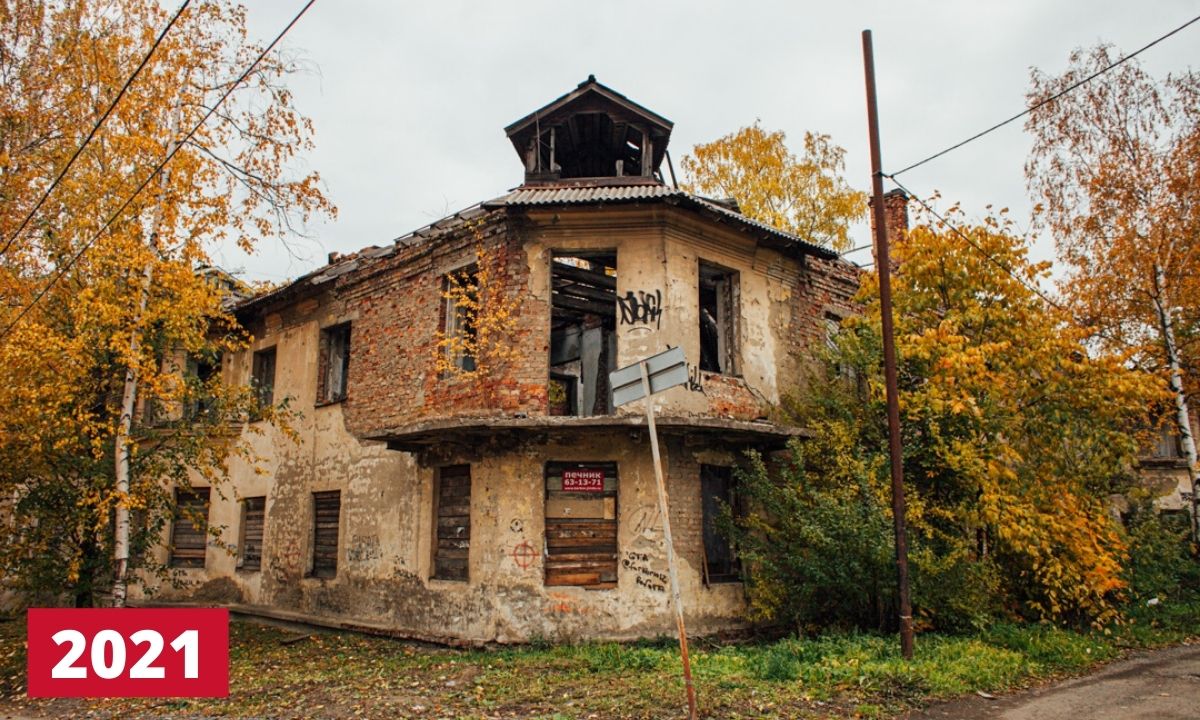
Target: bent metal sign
{"x":583,"y":480}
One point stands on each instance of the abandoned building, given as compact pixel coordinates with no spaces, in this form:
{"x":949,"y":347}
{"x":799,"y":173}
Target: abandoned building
{"x":441,"y":494}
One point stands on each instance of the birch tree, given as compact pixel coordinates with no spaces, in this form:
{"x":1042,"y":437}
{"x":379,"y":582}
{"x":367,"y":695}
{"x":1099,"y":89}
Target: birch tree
{"x":122,"y":306}
{"x":1115,"y":165}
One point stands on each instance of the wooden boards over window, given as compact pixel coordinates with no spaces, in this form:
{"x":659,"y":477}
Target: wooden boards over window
{"x":452,"y":542}
{"x":189,"y":528}
{"x":253,"y":515}
{"x":327,"y":511}
{"x":581,"y":524}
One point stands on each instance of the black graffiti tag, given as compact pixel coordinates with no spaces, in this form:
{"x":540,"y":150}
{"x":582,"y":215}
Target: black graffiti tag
{"x":644,"y":308}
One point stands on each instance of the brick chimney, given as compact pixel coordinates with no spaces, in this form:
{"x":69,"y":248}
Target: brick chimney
{"x":895,"y":213}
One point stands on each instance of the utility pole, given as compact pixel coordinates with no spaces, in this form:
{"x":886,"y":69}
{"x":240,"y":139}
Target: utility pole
{"x":883,"y":266}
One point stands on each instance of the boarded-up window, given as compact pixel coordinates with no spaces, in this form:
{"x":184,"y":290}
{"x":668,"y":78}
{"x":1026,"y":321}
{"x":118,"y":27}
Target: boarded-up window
{"x":716,"y":492}
{"x":189,"y":528}
{"x":253,"y":515}
{"x":327,"y":509}
{"x":581,"y":524}
{"x":452,"y":544}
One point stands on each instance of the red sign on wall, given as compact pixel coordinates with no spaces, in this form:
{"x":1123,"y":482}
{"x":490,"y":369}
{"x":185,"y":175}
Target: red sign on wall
{"x":128,"y":652}
{"x":582,"y":480}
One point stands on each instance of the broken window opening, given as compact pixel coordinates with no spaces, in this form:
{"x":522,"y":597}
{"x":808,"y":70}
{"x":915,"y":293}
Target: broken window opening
{"x":460,"y":289}
{"x":199,"y":372}
{"x":583,"y":332}
{"x":716,"y":492}
{"x":263,"y":376}
{"x":452,"y":523}
{"x":334,"y":364}
{"x":718,"y":319}
{"x":581,"y":524}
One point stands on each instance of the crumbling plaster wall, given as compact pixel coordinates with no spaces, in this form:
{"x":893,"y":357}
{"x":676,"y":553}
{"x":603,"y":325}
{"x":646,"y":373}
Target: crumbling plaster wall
{"x":287,"y":469}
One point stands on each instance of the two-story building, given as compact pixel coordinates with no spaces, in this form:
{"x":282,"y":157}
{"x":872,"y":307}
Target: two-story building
{"x":513,"y":501}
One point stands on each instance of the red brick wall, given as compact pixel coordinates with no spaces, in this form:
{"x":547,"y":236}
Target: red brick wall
{"x":400,"y":310}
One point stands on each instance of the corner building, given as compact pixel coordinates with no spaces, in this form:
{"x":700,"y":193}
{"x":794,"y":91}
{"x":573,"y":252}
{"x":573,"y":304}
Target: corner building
{"x":519,"y":504}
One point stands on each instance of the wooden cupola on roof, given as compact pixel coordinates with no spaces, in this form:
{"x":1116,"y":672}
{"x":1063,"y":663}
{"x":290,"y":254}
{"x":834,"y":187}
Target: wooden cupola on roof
{"x":591,"y":132}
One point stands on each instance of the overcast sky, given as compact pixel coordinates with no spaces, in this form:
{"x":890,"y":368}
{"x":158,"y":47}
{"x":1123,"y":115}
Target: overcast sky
{"x":409,"y":99}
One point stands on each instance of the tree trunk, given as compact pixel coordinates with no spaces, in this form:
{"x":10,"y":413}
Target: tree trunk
{"x":129,"y":395}
{"x":1182,"y":415}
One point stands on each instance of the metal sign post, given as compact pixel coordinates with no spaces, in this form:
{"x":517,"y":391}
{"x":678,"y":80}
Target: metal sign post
{"x":643,"y":380}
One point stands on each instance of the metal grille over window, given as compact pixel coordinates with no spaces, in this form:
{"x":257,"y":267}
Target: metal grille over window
{"x":189,"y":530}
{"x":581,"y":524}
{"x":453,"y":542}
{"x":327,"y":509}
{"x":253,"y":516}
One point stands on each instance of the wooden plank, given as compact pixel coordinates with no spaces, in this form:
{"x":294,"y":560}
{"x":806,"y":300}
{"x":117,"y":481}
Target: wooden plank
{"x":568,"y":506}
{"x":569,"y":303}
{"x":572,"y":579}
{"x":591,"y":277}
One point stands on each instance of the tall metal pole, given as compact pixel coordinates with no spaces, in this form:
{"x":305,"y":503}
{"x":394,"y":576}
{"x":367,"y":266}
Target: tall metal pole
{"x":884,"y":268}
{"x":664,"y":510}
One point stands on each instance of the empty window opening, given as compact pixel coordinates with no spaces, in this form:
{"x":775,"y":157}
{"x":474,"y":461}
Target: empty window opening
{"x":250,"y":547}
{"x":334,"y":364}
{"x":460,"y":290}
{"x":717,"y":492}
{"x":262,"y":376}
{"x":583,"y":337}
{"x":718,"y":319}
{"x":452,"y":516}
{"x":189,"y":527}
{"x":327,"y":511}
{"x":199,"y":373}
{"x":581,"y":524}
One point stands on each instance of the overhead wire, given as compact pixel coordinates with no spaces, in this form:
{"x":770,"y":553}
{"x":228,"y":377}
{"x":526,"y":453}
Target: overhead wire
{"x":95,"y":128}
{"x":158,"y":168}
{"x":1046,"y":101}
{"x":1005,"y":268}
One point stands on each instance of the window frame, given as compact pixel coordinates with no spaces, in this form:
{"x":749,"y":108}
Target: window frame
{"x":265,"y":391}
{"x":731,"y":571}
{"x":727,"y":320}
{"x":317,"y":567}
{"x":199,"y":496}
{"x":330,"y":336}
{"x":243,"y":542}
{"x":454,"y":320}
{"x":455,"y":542}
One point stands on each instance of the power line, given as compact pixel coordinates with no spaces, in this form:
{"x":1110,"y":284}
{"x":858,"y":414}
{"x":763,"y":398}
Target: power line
{"x":1046,"y":101}
{"x":195,"y":128}
{"x":1007,"y":270}
{"x":95,"y":128}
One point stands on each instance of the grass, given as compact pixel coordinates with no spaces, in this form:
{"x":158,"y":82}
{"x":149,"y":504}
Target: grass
{"x":839,"y":675}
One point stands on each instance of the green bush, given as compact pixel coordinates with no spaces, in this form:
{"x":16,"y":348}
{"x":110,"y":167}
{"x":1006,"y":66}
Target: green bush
{"x":1162,"y":561}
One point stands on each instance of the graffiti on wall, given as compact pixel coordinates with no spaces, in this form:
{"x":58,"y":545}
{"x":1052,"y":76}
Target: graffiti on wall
{"x":641,"y":309}
{"x":644,"y":576}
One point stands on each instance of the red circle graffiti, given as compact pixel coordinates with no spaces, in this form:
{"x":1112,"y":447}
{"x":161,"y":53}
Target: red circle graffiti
{"x":523,"y":554}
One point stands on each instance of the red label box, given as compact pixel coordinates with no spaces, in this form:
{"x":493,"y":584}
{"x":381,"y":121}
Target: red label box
{"x":128,"y":652}
{"x":583,"y":480}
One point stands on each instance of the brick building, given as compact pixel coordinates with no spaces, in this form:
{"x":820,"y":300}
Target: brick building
{"x":518,"y":503}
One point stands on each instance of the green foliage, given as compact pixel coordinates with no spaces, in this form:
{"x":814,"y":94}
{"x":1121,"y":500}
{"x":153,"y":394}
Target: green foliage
{"x":1162,"y":565}
{"x":1013,"y":438}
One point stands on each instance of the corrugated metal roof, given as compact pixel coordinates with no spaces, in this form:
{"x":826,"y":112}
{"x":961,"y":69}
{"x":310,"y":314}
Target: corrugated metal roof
{"x":581,"y":195}
{"x":584,"y":195}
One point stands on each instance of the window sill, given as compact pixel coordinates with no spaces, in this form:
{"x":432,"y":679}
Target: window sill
{"x":327,"y":403}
